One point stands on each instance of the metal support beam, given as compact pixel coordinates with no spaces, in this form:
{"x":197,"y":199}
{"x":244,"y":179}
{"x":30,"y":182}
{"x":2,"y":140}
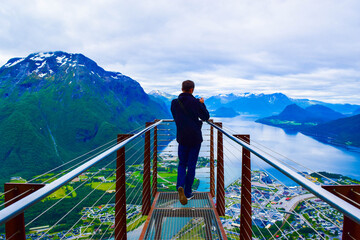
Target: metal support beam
{"x":245,"y":211}
{"x":349,"y":193}
{"x":143,"y":232}
{"x":154,"y":179}
{"x":15,"y":228}
{"x":120,"y":195}
{"x":212,"y":167}
{"x":220,"y":186}
{"x":146,"y":197}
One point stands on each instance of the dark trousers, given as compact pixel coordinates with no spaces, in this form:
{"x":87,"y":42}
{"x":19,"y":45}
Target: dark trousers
{"x":188,"y":157}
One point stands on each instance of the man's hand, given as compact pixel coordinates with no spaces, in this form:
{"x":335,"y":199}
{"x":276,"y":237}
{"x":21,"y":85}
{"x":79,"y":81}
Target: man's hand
{"x":201,"y":100}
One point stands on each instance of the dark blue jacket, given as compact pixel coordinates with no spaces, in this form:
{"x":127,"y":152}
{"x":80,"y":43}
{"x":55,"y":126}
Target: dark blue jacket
{"x":187,"y":122}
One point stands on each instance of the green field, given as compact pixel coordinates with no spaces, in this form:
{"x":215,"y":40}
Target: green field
{"x":171,"y":177}
{"x":136,"y":224}
{"x":61,"y":193}
{"x":18,"y":181}
{"x":103,"y":186}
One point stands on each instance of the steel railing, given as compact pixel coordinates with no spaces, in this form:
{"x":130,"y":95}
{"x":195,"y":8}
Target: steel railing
{"x":346,"y":208}
{"x":20,"y":206}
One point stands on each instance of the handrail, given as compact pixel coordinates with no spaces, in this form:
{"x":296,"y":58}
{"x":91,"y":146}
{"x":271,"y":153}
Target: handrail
{"x":341,"y":205}
{"x":20,"y":206}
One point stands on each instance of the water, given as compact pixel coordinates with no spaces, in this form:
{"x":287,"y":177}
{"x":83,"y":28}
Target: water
{"x":298,"y":147}
{"x":306,"y":151}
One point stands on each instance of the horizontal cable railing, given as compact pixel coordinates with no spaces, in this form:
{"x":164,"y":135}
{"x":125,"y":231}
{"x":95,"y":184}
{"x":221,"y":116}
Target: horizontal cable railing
{"x":20,"y":206}
{"x":290,"y":169}
{"x":271,"y":221}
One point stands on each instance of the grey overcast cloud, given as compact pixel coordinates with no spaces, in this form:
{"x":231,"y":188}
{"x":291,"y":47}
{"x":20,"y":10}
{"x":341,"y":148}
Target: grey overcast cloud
{"x":302,"y":48}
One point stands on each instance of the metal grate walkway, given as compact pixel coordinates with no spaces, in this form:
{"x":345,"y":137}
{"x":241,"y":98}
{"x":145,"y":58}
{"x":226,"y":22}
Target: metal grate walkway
{"x":168,"y":219}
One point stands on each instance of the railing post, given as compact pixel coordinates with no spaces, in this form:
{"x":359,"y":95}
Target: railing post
{"x":212,"y":168}
{"x":154,"y":179}
{"x":245,"y":211}
{"x":220,"y":186}
{"x":120,"y":194}
{"x":348,"y":193}
{"x":15,"y":228}
{"x":146,"y":196}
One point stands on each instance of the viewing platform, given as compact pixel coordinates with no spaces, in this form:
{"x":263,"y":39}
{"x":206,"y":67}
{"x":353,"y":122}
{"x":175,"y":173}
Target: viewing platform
{"x":132,"y":194}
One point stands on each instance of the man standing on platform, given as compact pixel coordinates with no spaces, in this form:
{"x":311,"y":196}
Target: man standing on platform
{"x":187,"y":110}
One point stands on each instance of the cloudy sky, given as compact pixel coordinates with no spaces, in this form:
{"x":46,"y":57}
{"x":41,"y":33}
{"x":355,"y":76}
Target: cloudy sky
{"x":303,"y":48}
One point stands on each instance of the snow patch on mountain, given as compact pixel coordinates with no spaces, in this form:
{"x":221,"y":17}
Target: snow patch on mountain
{"x":10,"y":64}
{"x":60,"y":60}
{"x":158,"y":93}
{"x":42,"y":56}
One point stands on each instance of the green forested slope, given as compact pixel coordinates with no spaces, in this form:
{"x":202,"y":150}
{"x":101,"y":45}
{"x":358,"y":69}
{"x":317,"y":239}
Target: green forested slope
{"x":56,"y":106}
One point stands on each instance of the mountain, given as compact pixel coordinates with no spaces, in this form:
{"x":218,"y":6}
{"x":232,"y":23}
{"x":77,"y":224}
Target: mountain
{"x":324,"y":113}
{"x":297,"y":118}
{"x":356,"y":112}
{"x":55,"y":106}
{"x":163,"y":98}
{"x":319,"y":122}
{"x":162,"y":95}
{"x":225,"y":112}
{"x":346,"y":109}
{"x":263,"y":105}
{"x":344,"y":131}
{"x":250,"y":104}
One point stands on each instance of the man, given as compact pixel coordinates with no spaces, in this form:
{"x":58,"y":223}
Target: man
{"x":187,"y":110}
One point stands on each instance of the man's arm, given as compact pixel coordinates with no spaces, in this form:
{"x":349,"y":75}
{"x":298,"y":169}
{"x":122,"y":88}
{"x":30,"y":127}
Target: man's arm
{"x":173,"y":110}
{"x":202,"y":111}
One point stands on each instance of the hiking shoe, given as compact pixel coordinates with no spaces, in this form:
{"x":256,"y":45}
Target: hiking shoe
{"x":182,"y":197}
{"x":191,"y":197}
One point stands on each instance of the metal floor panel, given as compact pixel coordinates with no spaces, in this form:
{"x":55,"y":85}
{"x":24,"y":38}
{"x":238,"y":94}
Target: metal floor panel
{"x":183,"y":224}
{"x":171,"y":200}
{"x":171,"y":220}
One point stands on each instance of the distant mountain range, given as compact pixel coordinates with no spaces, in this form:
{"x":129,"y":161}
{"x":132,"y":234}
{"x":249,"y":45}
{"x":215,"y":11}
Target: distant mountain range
{"x":258,"y":105}
{"x":55,"y":106}
{"x":356,"y":112}
{"x":297,"y":118}
{"x":164,"y":99}
{"x":263,"y":105}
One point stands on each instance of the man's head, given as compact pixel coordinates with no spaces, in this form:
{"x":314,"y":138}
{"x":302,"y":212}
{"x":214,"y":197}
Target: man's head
{"x":188,"y":86}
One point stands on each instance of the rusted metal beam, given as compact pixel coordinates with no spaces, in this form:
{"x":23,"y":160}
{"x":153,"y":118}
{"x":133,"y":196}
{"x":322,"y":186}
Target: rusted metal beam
{"x":220,"y":186}
{"x":350,"y":194}
{"x":143,"y":232}
{"x":154,"y":178}
{"x":223,"y":234}
{"x":212,"y":167}
{"x":120,"y":194}
{"x":146,"y":195}
{"x":15,"y":228}
{"x":245,"y":210}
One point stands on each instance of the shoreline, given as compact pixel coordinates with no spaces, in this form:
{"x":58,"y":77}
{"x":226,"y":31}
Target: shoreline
{"x":322,"y":139}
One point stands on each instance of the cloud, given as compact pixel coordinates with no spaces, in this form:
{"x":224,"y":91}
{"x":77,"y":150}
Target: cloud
{"x":295,"y":46}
